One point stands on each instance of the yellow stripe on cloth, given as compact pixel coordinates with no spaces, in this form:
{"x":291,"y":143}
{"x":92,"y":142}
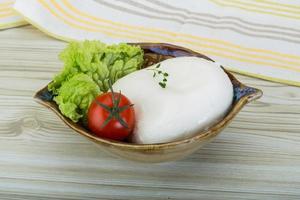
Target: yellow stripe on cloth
{"x":8,"y":3}
{"x":267,"y":6}
{"x":258,"y":9}
{"x":5,"y":8}
{"x":268,"y":78}
{"x":6,"y":13}
{"x":278,"y":4}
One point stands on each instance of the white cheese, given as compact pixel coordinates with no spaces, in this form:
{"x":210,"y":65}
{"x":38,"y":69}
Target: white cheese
{"x":197,"y":95}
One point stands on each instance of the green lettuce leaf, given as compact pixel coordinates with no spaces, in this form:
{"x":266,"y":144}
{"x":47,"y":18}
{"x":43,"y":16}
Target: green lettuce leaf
{"x":88,"y":68}
{"x":99,"y":61}
{"x":75,"y":96}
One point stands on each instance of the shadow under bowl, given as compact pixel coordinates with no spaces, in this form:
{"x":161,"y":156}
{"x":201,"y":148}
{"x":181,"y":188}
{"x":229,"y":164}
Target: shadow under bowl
{"x":162,"y":152}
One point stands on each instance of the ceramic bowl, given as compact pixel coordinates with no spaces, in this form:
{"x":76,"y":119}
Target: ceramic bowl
{"x":161,"y":152}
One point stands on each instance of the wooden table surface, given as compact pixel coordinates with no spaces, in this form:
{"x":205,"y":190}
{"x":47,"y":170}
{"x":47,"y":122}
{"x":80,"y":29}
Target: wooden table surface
{"x":256,"y":157}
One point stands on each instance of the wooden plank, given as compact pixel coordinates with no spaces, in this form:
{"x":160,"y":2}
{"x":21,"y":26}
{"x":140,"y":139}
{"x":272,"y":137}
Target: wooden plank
{"x":256,"y":157}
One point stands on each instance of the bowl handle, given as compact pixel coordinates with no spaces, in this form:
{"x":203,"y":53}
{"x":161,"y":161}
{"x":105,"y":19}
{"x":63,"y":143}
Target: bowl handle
{"x":243,"y":91}
{"x":255,"y":95}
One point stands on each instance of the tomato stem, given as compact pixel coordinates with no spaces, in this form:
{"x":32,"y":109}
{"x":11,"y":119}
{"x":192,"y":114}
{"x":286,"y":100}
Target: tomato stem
{"x":115,"y":110}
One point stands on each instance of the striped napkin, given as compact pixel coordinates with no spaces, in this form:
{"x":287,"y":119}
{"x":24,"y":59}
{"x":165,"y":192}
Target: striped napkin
{"x":259,"y":38}
{"x":8,"y":18}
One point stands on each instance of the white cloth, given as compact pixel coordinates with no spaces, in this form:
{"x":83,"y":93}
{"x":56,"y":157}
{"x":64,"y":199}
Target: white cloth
{"x":8,"y":18}
{"x":257,"y":38}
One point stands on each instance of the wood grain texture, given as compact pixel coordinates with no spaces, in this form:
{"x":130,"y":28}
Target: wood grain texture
{"x":256,"y":157}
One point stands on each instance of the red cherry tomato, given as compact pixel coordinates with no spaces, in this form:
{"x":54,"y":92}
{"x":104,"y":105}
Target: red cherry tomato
{"x":111,"y":116}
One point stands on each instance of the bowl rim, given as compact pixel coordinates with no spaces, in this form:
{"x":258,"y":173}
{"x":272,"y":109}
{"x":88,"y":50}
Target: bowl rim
{"x":201,"y":135}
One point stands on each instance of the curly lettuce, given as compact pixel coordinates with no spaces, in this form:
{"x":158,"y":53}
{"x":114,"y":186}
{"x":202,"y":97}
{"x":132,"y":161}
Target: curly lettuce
{"x":89,"y":66}
{"x":99,"y":61}
{"x":75,"y":96}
